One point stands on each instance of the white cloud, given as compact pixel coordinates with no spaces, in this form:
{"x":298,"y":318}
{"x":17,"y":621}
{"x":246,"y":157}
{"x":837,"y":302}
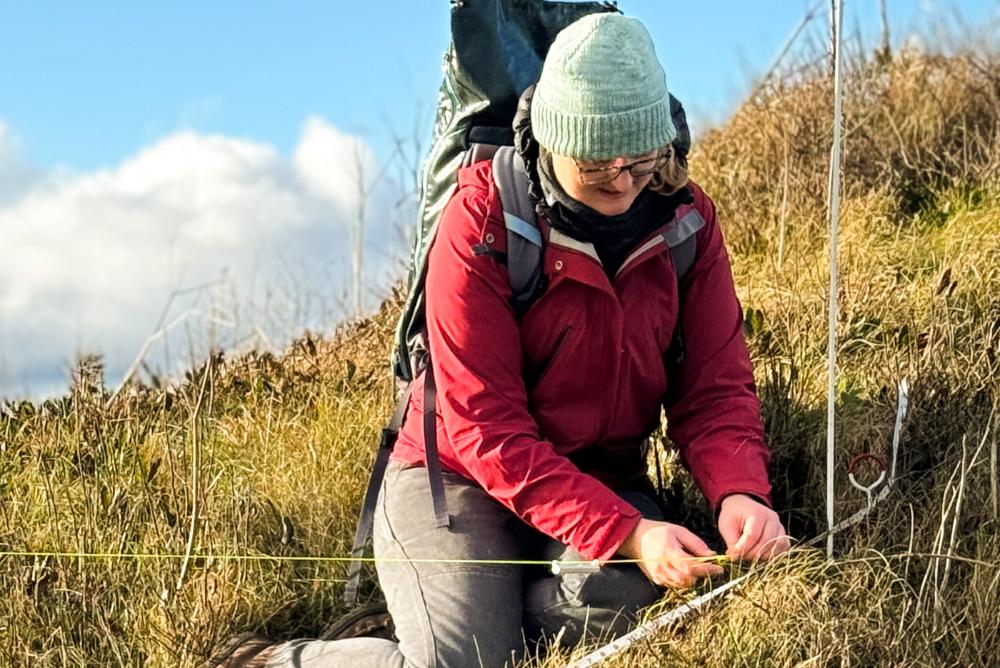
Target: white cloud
{"x":88,"y":262}
{"x":15,"y":178}
{"x":320,"y":140}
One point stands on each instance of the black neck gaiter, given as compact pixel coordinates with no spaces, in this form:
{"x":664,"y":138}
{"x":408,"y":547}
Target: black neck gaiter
{"x":613,"y":237}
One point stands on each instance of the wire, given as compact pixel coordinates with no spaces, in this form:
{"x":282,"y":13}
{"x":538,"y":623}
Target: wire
{"x":151,"y":556}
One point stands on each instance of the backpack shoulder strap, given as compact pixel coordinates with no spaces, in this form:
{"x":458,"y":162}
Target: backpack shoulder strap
{"x":364,"y":530}
{"x":524,"y":240}
{"x":681,"y":236}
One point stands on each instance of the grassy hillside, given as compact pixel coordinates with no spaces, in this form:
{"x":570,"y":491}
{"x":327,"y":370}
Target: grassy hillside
{"x":267,"y":455}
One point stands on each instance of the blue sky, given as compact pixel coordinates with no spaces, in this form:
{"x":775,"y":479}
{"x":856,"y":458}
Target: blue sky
{"x":178,"y":176}
{"x":87,"y":84}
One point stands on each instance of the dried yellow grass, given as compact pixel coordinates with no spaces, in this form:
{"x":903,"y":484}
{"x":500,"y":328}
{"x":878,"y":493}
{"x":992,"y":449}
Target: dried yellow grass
{"x":285,"y":441}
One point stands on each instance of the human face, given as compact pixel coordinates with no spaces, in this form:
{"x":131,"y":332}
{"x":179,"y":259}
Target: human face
{"x":610,"y":198}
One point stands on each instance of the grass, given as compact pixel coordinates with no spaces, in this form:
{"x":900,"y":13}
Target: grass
{"x":269,"y":454}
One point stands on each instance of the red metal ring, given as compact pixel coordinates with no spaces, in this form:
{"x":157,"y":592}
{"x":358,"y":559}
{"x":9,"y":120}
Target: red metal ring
{"x":880,"y":460}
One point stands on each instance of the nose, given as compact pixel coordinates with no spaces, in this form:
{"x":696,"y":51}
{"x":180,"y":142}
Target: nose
{"x":624,"y":180}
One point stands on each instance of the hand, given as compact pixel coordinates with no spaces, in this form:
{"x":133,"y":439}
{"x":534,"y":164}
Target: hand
{"x":751,"y":530}
{"x":668,"y":553}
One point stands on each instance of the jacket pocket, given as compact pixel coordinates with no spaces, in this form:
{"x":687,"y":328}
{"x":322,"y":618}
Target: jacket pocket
{"x":536,"y":376}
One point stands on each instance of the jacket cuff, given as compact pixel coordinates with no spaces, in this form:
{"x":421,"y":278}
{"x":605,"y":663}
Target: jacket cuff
{"x":617,"y":530}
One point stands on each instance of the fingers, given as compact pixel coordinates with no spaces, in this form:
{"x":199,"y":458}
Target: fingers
{"x":773,"y":542}
{"x":778,"y":545}
{"x":729,"y":528}
{"x":690,"y":546}
{"x":701,"y":570}
{"x":782,"y":544}
{"x":763,"y":544}
{"x":677,"y":568}
{"x":681,"y":574}
{"x":669,"y":554}
{"x":676,"y":579}
{"x":690,"y":543}
{"x":685,"y":568}
{"x":667,"y":576}
{"x":752,"y":530}
{"x":692,"y":569}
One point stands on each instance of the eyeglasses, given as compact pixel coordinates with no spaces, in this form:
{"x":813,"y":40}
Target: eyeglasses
{"x":640,"y":168}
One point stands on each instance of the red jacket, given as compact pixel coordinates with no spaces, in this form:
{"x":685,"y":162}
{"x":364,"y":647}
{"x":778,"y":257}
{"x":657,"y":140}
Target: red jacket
{"x":548,"y":413}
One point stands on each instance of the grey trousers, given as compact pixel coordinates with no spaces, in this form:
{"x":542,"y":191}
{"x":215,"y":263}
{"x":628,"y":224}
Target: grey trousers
{"x":468,"y":615}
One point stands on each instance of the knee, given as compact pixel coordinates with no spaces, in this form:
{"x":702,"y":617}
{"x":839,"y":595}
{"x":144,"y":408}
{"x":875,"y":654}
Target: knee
{"x":624,"y":588}
{"x":610,"y":593}
{"x":602,"y":604}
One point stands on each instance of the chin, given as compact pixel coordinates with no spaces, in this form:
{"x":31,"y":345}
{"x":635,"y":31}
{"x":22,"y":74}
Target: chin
{"x":612,"y":206}
{"x":608,"y":209}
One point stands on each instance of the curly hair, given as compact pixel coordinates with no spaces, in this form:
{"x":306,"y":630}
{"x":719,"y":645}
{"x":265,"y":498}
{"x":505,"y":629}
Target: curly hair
{"x":673,"y":175}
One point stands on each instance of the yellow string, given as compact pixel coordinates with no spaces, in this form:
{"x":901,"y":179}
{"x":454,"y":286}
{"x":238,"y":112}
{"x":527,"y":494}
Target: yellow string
{"x":142,"y":556}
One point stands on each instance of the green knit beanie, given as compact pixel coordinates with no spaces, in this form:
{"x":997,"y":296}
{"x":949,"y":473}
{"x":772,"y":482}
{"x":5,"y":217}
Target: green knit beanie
{"x":602,"y":92}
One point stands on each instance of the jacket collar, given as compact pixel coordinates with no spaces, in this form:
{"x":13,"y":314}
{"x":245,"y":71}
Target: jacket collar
{"x":672,"y":233}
